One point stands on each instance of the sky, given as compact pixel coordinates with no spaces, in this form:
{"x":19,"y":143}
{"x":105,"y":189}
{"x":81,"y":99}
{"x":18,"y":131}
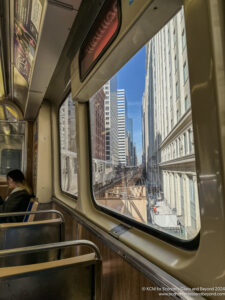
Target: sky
{"x":132,"y":78}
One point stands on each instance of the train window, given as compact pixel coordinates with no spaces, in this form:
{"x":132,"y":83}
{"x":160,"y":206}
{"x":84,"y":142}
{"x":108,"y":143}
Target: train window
{"x":11,"y":159}
{"x":68,"y":147}
{"x":149,"y":173}
{"x":8,"y":113}
{"x":12,"y":141}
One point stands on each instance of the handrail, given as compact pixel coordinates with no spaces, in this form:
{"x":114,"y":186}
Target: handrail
{"x":22,"y":213}
{"x":37,"y":248}
{"x":37,"y":212}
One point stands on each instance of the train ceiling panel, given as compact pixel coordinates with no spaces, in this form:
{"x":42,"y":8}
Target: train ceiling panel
{"x":40,"y":30}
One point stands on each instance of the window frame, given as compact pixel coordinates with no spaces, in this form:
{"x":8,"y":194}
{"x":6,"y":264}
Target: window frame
{"x":59,"y":149}
{"x":190,"y":245}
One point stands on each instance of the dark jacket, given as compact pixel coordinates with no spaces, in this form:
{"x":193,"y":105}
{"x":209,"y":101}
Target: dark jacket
{"x":17,"y":201}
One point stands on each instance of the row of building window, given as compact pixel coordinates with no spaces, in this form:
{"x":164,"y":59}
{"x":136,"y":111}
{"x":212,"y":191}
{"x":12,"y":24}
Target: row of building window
{"x":181,"y":146}
{"x":180,"y":193}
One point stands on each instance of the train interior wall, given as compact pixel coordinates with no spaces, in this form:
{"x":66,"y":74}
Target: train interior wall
{"x":120,"y":280}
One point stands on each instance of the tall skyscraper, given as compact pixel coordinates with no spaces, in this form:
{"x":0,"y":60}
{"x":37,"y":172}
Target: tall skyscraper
{"x":130,"y":143}
{"x":130,"y":128}
{"x":111,"y":135}
{"x":122,"y":111}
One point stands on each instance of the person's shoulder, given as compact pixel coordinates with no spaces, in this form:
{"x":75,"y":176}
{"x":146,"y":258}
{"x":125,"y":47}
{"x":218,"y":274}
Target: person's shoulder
{"x":21,"y":193}
{"x":25,"y":192}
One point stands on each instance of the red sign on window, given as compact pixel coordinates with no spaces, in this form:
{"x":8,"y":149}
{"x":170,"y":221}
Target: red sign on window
{"x":101,"y":35}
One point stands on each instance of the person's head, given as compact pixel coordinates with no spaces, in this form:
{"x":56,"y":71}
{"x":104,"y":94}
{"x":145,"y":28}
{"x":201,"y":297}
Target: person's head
{"x":15,"y":178}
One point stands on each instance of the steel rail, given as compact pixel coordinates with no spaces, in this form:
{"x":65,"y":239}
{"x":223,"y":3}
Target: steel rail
{"x":44,"y":247}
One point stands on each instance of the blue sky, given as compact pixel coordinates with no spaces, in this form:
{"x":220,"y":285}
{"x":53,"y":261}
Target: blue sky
{"x":132,"y":78}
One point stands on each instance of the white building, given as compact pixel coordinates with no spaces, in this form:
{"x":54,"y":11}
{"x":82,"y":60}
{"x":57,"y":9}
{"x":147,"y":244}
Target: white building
{"x":168,"y":152}
{"x":121,"y":117}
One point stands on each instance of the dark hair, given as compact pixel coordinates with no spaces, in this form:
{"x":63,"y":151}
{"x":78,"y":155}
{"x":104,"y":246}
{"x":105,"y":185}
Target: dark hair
{"x":16,"y":175}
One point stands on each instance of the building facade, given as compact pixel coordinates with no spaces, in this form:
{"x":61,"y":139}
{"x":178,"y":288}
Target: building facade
{"x":122,"y":112}
{"x":168,"y":150}
{"x":111,"y":133}
{"x":131,"y":151}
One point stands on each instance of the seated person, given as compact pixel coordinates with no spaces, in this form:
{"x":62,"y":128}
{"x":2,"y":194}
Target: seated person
{"x":18,"y":199}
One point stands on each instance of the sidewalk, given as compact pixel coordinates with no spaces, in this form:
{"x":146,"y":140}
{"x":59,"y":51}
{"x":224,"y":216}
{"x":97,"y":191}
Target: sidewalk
{"x":163,"y":216}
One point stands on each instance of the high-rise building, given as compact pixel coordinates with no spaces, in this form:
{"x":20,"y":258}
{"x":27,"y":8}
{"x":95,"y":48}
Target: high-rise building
{"x":135,"y":156}
{"x":129,"y":128}
{"x":111,"y":134}
{"x":168,"y":152}
{"x":130,"y":142}
{"x":122,"y":112}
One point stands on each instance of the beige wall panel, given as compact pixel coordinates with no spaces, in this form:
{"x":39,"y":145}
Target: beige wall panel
{"x":44,"y":161}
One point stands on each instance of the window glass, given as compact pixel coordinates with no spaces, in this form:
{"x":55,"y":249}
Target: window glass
{"x":183,"y":40}
{"x":12,"y":141}
{"x":68,"y":147}
{"x":148,"y":172}
{"x":185,"y":72}
{"x":186,"y":103}
{"x":176,"y":64}
{"x":177,"y":90}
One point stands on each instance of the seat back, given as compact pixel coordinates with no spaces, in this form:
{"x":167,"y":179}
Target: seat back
{"x":32,"y":206}
{"x":4,"y":189}
{"x":15,"y":235}
{"x":71,"y":278}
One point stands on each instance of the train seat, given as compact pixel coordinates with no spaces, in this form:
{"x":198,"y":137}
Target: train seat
{"x":71,"y":278}
{"x":32,"y":206}
{"x":15,"y":235}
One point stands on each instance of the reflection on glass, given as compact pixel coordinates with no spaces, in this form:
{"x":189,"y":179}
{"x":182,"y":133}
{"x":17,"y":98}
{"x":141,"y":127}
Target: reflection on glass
{"x":142,"y":139}
{"x":12,"y":141}
{"x":68,"y":147}
{"x":8,"y":113}
{"x":12,"y":144}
